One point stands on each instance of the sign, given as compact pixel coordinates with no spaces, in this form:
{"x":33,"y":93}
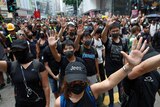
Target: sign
{"x":135,"y":13}
{"x":37,"y":14}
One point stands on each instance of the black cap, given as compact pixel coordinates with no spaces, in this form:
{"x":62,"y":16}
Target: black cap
{"x":19,"y":45}
{"x":75,"y":71}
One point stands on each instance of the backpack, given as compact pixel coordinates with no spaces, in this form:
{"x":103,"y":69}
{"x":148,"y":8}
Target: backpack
{"x":124,"y":42}
{"x":35,"y":66}
{"x":63,"y":100}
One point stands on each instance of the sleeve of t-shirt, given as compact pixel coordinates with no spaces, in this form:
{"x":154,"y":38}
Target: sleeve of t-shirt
{"x":9,"y":67}
{"x":106,"y":44}
{"x":96,"y":53}
{"x":41,"y":67}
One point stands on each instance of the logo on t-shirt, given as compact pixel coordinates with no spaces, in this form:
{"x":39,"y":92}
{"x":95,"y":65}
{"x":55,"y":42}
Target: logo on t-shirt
{"x":115,"y":52}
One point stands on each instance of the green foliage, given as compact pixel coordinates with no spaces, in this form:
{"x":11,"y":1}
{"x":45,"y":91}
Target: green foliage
{"x":72,"y":2}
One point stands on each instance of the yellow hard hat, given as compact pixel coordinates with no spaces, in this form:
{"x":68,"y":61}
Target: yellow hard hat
{"x":10,"y":27}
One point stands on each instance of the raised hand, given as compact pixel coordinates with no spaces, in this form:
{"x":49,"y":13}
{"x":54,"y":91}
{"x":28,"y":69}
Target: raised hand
{"x":137,"y":53}
{"x":52,"y":39}
{"x":80,"y":30}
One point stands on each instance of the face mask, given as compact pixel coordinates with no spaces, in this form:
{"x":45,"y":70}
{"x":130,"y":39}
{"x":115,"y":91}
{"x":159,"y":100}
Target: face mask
{"x":72,"y":34}
{"x":42,"y":36}
{"x":88,"y":42}
{"x":85,"y":27}
{"x":115,"y":35}
{"x":77,"y":89}
{"x":23,"y":57}
{"x":69,"y":54}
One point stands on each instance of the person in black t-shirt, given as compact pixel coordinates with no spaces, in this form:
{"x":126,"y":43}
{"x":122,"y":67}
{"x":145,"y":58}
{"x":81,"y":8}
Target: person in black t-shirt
{"x":68,"y":51}
{"x":156,"y":41}
{"x":28,"y":76}
{"x":141,"y":91}
{"x":113,"y":46}
{"x":53,"y":67}
{"x":89,"y":54}
{"x":77,"y":93}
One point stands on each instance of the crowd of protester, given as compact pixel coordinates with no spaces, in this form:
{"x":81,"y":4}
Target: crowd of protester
{"x":84,"y":58}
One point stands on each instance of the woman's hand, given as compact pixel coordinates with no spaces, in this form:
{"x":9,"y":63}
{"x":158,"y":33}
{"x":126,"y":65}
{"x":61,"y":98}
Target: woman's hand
{"x":137,"y":53}
{"x":52,"y":39}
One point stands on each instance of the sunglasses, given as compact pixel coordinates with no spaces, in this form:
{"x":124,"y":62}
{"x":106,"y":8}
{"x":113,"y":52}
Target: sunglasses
{"x":21,"y":34}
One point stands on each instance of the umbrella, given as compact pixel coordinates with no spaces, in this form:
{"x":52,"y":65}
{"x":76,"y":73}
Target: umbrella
{"x":153,"y":16}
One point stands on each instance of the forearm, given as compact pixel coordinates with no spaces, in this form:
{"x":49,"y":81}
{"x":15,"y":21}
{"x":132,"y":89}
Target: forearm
{"x":117,"y":77}
{"x":60,"y":34}
{"x":3,"y":66}
{"x":144,"y":67}
{"x":105,"y":34}
{"x":76,"y":42}
{"x":55,"y":53}
{"x":97,"y":66}
{"x":49,"y":70}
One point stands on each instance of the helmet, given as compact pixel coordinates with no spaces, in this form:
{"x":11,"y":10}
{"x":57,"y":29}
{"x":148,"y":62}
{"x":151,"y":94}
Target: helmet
{"x":10,"y":27}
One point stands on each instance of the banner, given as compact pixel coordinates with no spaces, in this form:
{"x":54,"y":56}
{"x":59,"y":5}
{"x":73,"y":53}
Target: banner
{"x":37,"y":14}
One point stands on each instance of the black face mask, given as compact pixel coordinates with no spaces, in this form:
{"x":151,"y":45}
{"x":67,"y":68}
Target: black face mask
{"x":72,"y":34}
{"x":69,"y":54}
{"x":88,"y":42}
{"x":77,"y":89}
{"x":115,"y":35}
{"x":42,"y":36}
{"x":24,"y":56}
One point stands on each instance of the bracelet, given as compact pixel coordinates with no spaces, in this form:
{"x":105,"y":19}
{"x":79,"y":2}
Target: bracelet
{"x":125,"y":69}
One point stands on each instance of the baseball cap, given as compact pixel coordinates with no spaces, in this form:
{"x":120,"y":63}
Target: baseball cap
{"x":19,"y":45}
{"x":75,"y":71}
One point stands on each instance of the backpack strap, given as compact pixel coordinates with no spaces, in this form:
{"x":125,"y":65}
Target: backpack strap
{"x":14,"y":66}
{"x":109,"y":42}
{"x":62,"y":101}
{"x":91,"y":96}
{"x":36,"y":67}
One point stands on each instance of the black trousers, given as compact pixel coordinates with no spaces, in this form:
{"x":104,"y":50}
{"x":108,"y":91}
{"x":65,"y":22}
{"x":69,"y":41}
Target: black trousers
{"x":40,"y":103}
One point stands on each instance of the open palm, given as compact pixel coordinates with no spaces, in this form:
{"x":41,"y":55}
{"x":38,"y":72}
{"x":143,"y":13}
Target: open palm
{"x":137,"y":53}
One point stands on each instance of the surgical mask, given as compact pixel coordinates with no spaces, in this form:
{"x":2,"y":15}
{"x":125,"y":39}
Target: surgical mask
{"x":69,"y":54}
{"x":85,"y":27}
{"x":88,"y":42}
{"x":78,"y":89}
{"x":115,"y":35}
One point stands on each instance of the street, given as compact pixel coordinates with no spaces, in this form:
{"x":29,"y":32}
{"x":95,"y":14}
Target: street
{"x":8,"y":98}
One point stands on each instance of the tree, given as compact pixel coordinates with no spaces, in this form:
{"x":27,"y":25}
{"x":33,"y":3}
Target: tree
{"x":73,"y":3}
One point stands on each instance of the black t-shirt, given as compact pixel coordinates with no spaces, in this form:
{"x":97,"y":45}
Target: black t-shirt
{"x":52,"y":63}
{"x":114,"y":59}
{"x":33,"y":81}
{"x":142,"y":90}
{"x":89,"y":56}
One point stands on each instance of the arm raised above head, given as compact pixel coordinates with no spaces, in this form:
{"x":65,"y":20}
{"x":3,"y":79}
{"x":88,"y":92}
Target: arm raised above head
{"x":145,"y":67}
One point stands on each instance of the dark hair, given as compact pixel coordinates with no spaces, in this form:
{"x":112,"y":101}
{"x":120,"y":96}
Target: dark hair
{"x":135,"y":28}
{"x":68,"y":43}
{"x":99,"y":31}
{"x":114,"y":25}
{"x":86,"y":33}
{"x":65,"y":90}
